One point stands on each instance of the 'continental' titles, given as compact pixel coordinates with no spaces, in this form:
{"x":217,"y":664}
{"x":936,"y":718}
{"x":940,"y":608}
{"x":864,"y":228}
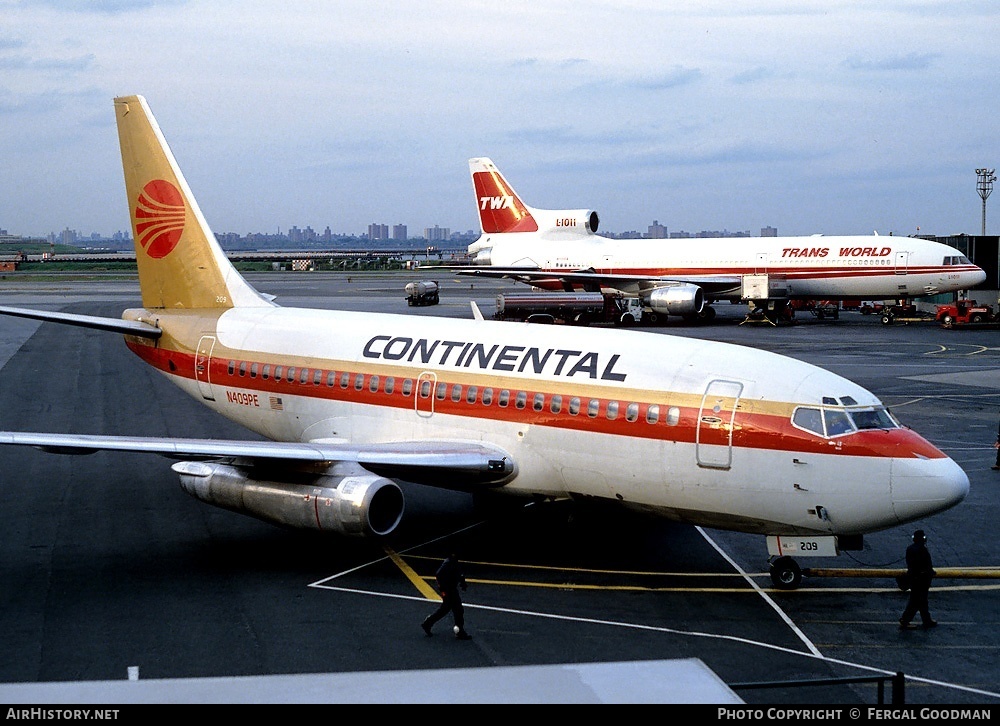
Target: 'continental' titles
{"x":507,"y":358}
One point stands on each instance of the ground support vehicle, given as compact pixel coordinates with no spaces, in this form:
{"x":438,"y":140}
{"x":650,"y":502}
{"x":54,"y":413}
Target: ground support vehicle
{"x":817,"y":308}
{"x":421,"y":293}
{"x":575,"y":308}
{"x":902,"y":312}
{"x":965,"y":313}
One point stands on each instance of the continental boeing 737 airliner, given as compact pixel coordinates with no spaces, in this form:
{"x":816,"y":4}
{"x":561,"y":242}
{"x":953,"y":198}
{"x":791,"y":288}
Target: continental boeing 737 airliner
{"x":698,"y":431}
{"x":561,"y":250}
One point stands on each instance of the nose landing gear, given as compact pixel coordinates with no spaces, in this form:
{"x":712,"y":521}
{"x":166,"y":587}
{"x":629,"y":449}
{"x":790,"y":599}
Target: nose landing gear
{"x":785,"y":573}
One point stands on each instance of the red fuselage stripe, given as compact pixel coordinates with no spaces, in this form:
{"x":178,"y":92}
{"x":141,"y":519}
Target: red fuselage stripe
{"x":751,"y":429}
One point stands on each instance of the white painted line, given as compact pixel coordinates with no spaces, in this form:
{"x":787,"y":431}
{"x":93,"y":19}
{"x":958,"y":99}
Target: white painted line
{"x":767,"y":598}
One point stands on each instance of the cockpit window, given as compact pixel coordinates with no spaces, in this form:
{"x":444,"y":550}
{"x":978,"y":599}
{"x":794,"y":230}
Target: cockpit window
{"x":837,"y":422}
{"x":809,"y":419}
{"x":830,"y":422}
{"x":957,"y":260}
{"x":873,"y":418}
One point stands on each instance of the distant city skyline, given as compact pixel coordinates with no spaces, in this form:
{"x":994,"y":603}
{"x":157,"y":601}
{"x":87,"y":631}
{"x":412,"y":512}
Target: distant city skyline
{"x":376,"y":231}
{"x":813,"y":117}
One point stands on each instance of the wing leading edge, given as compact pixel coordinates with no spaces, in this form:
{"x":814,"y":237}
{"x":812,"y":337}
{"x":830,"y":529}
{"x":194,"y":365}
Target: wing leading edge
{"x":114,"y":325}
{"x":459,"y":465}
{"x":712,"y":284}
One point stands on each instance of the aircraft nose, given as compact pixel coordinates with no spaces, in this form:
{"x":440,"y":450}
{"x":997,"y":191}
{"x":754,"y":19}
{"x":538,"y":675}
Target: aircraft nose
{"x":976,"y":277}
{"x":921,"y":487}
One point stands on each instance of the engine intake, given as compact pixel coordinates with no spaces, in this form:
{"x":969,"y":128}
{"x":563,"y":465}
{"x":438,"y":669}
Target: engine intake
{"x":679,"y":299}
{"x":357,"y":504}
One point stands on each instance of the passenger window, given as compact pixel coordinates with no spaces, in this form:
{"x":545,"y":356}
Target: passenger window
{"x":253,"y":370}
{"x":470,"y":396}
{"x":243,"y":367}
{"x":265,"y":372}
{"x":539,"y":402}
{"x":390,"y":384}
{"x":304,"y":375}
{"x":425,"y":389}
{"x":359,"y":381}
{"x":408,"y":387}
{"x":593,"y":407}
{"x":487,"y":396}
{"x":504,"y":398}
{"x":456,"y":393}
{"x":521,"y":399}
{"x":373,"y":384}
{"x":612,"y":410}
{"x":278,"y":370}
{"x":291,"y":374}
{"x":652,"y":414}
{"x":442,"y":391}
{"x":632,"y":412}
{"x":809,"y":419}
{"x":574,"y":406}
{"x":317,"y":377}
{"x":232,"y":367}
{"x":555,"y":406}
{"x":345,"y":379}
{"x":330,"y":378}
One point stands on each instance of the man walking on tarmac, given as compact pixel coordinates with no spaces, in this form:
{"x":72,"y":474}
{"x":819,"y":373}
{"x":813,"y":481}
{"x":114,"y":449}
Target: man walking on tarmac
{"x":919,"y":571}
{"x":449,"y":578}
{"x":996,"y":446}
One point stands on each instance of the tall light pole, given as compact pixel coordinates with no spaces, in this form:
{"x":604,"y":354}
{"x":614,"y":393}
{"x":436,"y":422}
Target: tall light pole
{"x":985,"y":186}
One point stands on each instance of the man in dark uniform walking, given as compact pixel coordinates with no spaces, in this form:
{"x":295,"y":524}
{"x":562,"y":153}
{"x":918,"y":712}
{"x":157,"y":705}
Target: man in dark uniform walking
{"x":449,"y":579}
{"x":996,"y":446}
{"x":920,"y":572}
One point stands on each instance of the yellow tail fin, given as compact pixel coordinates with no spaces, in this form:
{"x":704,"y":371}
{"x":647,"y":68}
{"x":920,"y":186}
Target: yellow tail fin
{"x":181,"y":265}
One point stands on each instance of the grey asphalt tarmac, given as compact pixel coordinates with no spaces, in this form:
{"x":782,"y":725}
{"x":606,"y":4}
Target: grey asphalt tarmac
{"x":110,"y":572}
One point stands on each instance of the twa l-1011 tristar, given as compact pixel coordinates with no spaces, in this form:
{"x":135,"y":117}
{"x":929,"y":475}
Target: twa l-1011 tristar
{"x":561,"y":250}
{"x":698,"y":431}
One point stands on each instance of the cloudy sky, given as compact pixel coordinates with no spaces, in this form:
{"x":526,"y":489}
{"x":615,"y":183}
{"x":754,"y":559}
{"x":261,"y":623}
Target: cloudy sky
{"x":812,"y":117}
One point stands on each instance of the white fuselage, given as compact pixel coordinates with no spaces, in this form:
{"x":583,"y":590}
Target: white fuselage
{"x":815,"y":267}
{"x":696,"y":430}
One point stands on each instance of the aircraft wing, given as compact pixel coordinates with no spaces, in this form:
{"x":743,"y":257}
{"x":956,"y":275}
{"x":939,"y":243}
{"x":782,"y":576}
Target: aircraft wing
{"x":461,"y":465}
{"x":115,"y":325}
{"x":591,"y":280}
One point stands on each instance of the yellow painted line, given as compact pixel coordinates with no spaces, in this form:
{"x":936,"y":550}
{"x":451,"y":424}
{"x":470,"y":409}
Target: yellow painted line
{"x":800,"y":589}
{"x":942,"y":572}
{"x":421,"y":584}
{"x":639,"y":588}
{"x":653,"y":573}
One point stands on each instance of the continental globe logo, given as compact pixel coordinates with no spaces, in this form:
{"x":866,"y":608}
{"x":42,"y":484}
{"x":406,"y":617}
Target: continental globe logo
{"x":159,"y":218}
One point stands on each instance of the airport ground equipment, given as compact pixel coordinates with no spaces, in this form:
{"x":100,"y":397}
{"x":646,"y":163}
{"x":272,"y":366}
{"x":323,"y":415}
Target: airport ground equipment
{"x":964,"y":313}
{"x":575,"y":308}
{"x":421,"y":293}
{"x":817,"y":308}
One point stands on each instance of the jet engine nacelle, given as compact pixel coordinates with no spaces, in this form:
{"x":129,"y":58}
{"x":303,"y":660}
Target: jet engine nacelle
{"x":580,"y":221}
{"x":356,"y":504}
{"x":680,"y":299}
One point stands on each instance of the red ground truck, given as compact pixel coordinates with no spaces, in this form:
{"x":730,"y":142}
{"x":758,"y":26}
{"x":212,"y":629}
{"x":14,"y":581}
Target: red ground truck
{"x":965,"y":312}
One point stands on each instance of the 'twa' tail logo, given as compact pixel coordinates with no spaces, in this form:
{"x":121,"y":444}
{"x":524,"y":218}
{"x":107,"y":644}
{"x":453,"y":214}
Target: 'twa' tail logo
{"x":159,"y":218}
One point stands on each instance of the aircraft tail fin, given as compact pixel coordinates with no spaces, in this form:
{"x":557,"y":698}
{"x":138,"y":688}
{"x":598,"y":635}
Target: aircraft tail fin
{"x":500,"y":209}
{"x":181,"y":265}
